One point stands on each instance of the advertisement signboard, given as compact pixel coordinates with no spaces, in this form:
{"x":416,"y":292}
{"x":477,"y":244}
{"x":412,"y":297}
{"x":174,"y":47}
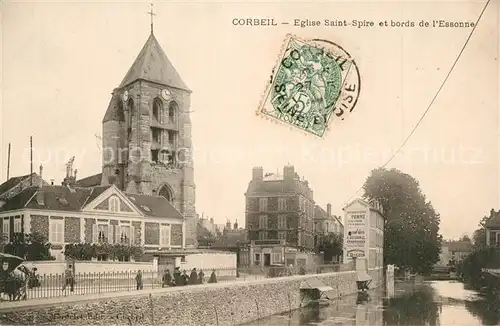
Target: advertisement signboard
{"x":355,"y":235}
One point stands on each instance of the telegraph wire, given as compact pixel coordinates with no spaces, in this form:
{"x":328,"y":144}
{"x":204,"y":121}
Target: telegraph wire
{"x":432,"y":101}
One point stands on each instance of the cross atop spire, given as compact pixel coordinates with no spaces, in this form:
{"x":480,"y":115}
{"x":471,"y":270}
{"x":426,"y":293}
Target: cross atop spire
{"x":151,"y":13}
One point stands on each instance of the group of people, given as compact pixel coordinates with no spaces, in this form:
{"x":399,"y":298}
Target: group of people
{"x":181,"y":279}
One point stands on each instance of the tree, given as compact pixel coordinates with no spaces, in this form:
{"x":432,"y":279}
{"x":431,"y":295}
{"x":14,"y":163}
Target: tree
{"x":479,"y":236}
{"x":411,"y":233}
{"x":465,"y":238}
{"x":330,"y":244}
{"x":31,"y":247}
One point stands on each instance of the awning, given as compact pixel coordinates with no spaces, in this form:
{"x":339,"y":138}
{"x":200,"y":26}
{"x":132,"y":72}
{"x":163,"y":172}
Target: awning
{"x":315,"y":284}
{"x":363,"y":276}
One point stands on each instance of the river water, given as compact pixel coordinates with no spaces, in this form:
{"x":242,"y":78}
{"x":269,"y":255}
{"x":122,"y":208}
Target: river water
{"x":431,"y":303}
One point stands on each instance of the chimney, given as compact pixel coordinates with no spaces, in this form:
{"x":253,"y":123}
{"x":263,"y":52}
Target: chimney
{"x":329,"y":209}
{"x":289,"y":172}
{"x":257,"y":173}
{"x":41,"y":176}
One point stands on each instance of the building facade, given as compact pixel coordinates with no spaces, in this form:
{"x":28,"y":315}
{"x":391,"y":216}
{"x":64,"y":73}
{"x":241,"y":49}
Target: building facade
{"x":325,"y":222}
{"x":279,"y":216}
{"x":104,"y":214}
{"x":453,"y":252}
{"x":364,"y":233}
{"x":492,"y":227}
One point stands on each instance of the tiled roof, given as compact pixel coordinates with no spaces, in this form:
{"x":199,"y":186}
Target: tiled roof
{"x":14,"y":181}
{"x":230,"y":239}
{"x":155,"y":206}
{"x":493,"y":220}
{"x":271,"y":187}
{"x":19,"y":200}
{"x":11,"y":183}
{"x":90,"y":181}
{"x":152,"y":64}
{"x":62,"y":198}
{"x":320,"y":213}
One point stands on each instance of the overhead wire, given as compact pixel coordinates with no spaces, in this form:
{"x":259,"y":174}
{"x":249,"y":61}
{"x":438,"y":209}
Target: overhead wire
{"x":431,"y":102}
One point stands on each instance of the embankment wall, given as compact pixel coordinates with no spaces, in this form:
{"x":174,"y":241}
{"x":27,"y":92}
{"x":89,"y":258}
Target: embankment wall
{"x":206,"y":304}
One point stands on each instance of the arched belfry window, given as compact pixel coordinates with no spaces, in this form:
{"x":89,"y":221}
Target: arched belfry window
{"x":120,"y":114}
{"x":166,"y":192}
{"x":157,"y":110}
{"x":173,"y":109}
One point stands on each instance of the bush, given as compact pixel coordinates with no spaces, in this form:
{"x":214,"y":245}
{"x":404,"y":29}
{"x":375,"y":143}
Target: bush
{"x":87,"y":251}
{"x":32,"y":247}
{"x":470,"y":269}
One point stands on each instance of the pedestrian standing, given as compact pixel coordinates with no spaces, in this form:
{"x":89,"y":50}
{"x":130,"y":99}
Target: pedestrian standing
{"x":167,"y":278}
{"x":177,"y":276}
{"x":69,"y":279}
{"x":193,"y":278}
{"x":138,"y":280}
{"x":201,"y":277}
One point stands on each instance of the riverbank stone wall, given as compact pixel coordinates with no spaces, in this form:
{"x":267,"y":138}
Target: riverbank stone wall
{"x":206,"y":304}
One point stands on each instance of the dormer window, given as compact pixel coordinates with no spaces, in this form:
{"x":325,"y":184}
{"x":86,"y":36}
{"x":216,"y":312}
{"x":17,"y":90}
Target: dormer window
{"x":114,"y":204}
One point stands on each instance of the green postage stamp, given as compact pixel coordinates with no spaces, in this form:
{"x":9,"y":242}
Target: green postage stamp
{"x":313,"y":83}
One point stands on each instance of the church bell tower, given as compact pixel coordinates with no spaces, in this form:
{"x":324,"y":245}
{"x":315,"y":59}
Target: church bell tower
{"x":147,"y":145}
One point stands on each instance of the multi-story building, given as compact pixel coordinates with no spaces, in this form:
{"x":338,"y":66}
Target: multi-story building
{"x":325,"y":222}
{"x":453,"y":252}
{"x":364,"y":233}
{"x":279,"y":217}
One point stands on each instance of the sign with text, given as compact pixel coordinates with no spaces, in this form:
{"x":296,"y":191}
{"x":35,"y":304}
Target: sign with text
{"x":355,"y":235}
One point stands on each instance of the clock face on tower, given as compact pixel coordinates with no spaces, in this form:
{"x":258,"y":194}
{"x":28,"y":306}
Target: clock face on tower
{"x":165,"y":94}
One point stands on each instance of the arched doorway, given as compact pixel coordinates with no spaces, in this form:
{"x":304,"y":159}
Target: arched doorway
{"x":166,"y":191}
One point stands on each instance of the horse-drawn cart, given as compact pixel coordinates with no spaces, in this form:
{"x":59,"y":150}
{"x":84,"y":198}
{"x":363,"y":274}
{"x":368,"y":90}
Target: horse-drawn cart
{"x":12,"y":280}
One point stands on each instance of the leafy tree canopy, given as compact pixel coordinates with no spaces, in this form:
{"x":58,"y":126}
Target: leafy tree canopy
{"x":330,"y":244}
{"x":411,"y":235}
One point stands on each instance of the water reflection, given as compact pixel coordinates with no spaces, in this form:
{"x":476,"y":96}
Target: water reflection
{"x":433,"y":303}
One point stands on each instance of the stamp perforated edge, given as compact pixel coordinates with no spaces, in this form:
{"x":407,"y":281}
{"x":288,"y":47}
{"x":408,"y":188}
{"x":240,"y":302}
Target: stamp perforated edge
{"x":288,"y":37}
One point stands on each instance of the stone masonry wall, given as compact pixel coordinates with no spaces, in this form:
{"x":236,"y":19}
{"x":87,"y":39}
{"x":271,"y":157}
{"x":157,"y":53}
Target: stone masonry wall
{"x":207,"y":304}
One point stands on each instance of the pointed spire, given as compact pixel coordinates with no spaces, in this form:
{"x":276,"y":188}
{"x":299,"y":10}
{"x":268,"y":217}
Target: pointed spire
{"x":152,"y":64}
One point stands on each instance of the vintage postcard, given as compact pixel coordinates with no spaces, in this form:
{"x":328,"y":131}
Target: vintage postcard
{"x":250,"y":162}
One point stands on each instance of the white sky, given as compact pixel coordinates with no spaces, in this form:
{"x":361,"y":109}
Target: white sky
{"x":62,"y":60}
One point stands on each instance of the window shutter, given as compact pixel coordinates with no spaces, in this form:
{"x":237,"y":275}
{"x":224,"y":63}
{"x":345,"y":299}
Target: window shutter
{"x":132,"y":235}
{"x":110,"y":234}
{"x":117,"y":233}
{"x":94,"y":233}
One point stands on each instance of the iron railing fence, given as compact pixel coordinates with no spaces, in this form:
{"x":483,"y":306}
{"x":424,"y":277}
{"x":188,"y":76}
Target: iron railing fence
{"x":57,"y":285}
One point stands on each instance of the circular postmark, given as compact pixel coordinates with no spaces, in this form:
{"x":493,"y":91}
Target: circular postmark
{"x":315,"y":81}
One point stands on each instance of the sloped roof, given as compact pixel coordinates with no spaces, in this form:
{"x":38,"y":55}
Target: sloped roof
{"x":154,"y":206}
{"x":90,"y":181}
{"x":14,"y":181}
{"x":493,"y":219}
{"x":320,"y":213}
{"x":230,"y":239}
{"x":62,"y":198}
{"x":152,"y":64}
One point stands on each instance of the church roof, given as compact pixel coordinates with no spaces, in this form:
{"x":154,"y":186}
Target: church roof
{"x":90,"y":181}
{"x":152,"y":64}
